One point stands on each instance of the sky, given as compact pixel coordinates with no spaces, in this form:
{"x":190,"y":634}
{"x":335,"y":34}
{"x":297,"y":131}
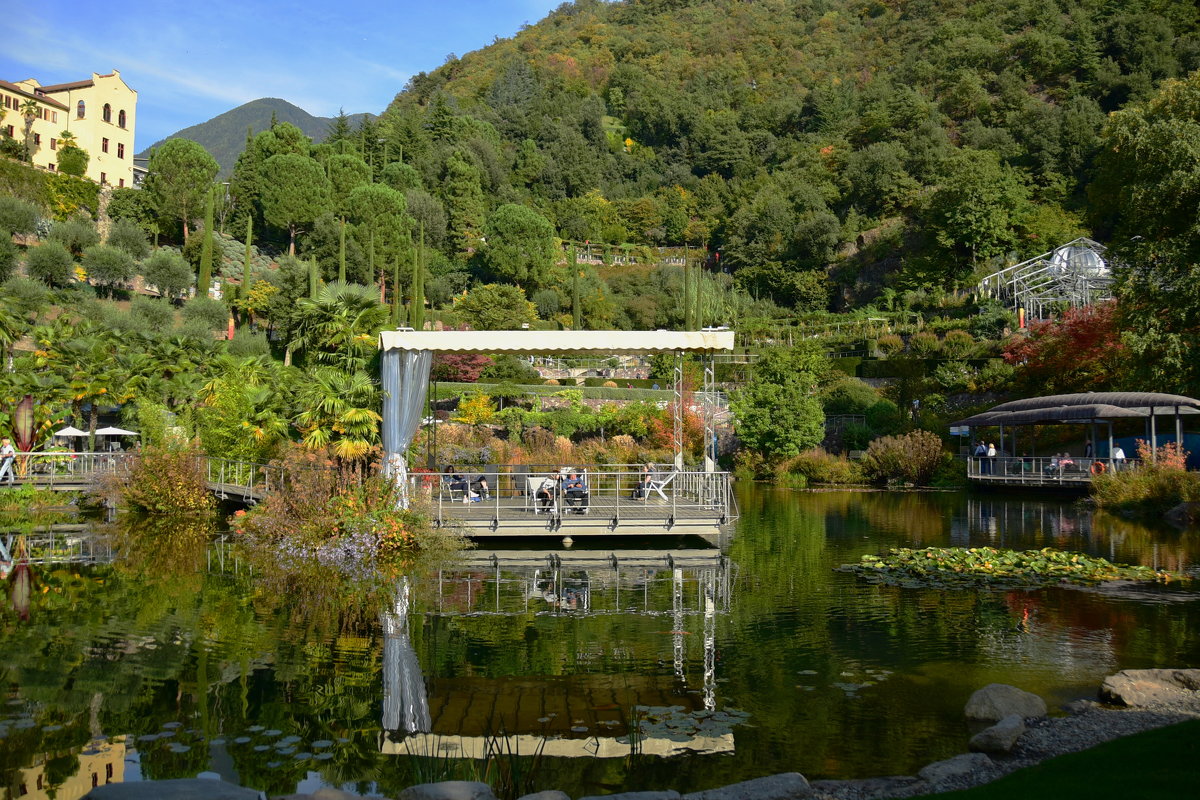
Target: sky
{"x":192,"y":61}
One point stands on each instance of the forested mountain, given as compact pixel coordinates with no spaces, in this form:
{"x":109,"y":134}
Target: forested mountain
{"x":224,"y":136}
{"x":940,"y":133}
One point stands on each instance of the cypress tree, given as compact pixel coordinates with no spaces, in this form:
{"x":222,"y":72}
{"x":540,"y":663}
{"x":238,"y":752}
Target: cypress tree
{"x":576,"y":311}
{"x":687,"y":297}
{"x":698,"y":319}
{"x":417,"y":314}
{"x":246,"y":261}
{"x":342,"y":251}
{"x":397,"y":303}
{"x":313,"y":279}
{"x":206,"y":249}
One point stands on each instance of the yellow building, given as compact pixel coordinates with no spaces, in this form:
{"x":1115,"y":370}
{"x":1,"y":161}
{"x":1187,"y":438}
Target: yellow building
{"x":100,"y":112}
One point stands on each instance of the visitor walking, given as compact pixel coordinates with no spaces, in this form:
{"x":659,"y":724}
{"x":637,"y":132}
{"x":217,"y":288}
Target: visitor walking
{"x":981,"y":457}
{"x":991,"y":458}
{"x":7,"y":455}
{"x":1118,"y":458}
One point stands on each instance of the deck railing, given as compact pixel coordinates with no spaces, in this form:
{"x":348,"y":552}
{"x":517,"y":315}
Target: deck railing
{"x":1042,"y":470}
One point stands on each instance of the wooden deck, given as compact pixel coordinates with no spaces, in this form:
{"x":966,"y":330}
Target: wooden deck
{"x":1036,"y":472}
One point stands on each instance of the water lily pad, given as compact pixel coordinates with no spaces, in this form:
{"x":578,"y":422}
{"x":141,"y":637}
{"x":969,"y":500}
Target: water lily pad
{"x":172,"y":725}
{"x":256,"y":728}
{"x":51,"y":728}
{"x":273,"y":764}
{"x":286,"y":751}
{"x":343,"y":739}
{"x":217,"y":742}
{"x":289,"y":739}
{"x":302,"y":756}
{"x":807,"y":672}
{"x":320,"y":744}
{"x":242,"y":740}
{"x":323,"y":756}
{"x":580,"y":729}
{"x":148,"y":737}
{"x":272,"y":732}
{"x":24,"y":724}
{"x":543,"y":719}
{"x":261,"y":747}
{"x":176,"y":747}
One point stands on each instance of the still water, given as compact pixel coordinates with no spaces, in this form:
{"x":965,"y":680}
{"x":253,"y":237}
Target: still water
{"x":591,"y":671}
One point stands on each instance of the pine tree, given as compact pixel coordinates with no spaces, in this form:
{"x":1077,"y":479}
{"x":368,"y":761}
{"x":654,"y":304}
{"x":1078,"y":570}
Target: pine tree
{"x":464,"y":200}
{"x":246,"y":261}
{"x":576,"y":311}
{"x":206,"y":248}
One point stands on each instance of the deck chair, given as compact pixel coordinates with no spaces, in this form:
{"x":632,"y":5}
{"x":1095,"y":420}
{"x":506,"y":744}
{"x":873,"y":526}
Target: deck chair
{"x":532,"y":482}
{"x":657,"y":482}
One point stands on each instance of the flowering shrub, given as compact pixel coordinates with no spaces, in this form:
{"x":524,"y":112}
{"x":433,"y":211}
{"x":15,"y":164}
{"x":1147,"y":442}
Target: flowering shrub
{"x":1159,"y":482}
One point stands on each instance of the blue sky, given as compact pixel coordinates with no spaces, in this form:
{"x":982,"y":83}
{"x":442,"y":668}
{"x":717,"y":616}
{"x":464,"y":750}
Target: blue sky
{"x":192,"y":61}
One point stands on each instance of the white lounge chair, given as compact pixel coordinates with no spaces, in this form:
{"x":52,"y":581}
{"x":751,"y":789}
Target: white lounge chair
{"x":657,"y":482}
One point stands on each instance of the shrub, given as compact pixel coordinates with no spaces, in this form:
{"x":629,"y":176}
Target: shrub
{"x":1158,"y":483}
{"x":924,"y":344}
{"x":51,"y":263}
{"x":548,"y":303}
{"x":953,"y":376}
{"x":8,"y":255}
{"x":848,"y":396}
{"x":890,"y":344}
{"x":958,"y":344}
{"x":168,"y":272}
{"x":206,"y":313}
{"x":912,"y":457}
{"x":76,"y":234}
{"x":156,"y":314}
{"x":166,"y":481}
{"x":126,"y":235}
{"x":817,"y":466}
{"x":609,"y":384}
{"x":17,"y":216}
{"x":552,"y":382}
{"x":245,"y":344}
{"x":73,"y":161}
{"x":108,"y":266}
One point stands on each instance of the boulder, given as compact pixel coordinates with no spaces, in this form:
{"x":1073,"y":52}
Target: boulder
{"x":996,"y":701}
{"x":785,"y":786}
{"x":1143,"y":687}
{"x":182,"y":789}
{"x":330,"y":793}
{"x":865,"y":787}
{"x":549,"y":794}
{"x":669,"y":794}
{"x":1077,"y":707}
{"x":999,"y":738}
{"x":448,"y":790}
{"x":957,"y":767}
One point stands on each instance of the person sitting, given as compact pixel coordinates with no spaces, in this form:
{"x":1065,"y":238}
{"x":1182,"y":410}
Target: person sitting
{"x":576,"y":491}
{"x":456,"y":482}
{"x":545,"y":492}
{"x":1065,"y":461}
{"x":1053,"y":466}
{"x":639,"y":489}
{"x":480,"y":485}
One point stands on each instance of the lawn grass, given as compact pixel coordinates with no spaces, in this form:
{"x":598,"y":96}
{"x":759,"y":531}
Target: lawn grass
{"x":1162,"y":764}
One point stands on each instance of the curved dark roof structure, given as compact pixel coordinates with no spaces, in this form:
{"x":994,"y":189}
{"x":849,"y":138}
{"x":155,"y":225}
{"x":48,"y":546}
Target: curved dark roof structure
{"x":1083,"y":408}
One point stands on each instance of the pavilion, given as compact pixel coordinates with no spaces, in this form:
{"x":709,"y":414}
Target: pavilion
{"x":690,"y":501}
{"x":1097,"y":410}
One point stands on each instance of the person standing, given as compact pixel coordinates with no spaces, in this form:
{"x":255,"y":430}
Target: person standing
{"x":980,"y":456}
{"x":7,"y":456}
{"x":1118,"y":458}
{"x":991,"y":458}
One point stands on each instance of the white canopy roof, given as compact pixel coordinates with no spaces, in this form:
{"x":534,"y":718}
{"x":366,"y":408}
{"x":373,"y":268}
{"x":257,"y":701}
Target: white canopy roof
{"x":70,"y":430}
{"x":111,"y":431}
{"x":532,"y":342}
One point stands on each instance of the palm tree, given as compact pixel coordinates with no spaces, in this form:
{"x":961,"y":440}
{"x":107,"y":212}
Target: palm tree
{"x":340,"y":327}
{"x":339,"y":412}
{"x":29,"y":110}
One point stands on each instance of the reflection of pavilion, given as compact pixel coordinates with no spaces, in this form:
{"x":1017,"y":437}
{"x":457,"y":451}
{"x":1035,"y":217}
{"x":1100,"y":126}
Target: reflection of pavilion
{"x":571,"y":715}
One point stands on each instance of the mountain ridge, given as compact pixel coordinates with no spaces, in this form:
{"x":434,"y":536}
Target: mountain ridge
{"x":224,"y":136}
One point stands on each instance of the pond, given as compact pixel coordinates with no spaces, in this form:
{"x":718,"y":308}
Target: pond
{"x":590,"y":671}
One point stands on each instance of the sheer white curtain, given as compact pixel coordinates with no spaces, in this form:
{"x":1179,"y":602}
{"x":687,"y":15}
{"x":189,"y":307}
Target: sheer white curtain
{"x":405,"y":704}
{"x":405,"y":378}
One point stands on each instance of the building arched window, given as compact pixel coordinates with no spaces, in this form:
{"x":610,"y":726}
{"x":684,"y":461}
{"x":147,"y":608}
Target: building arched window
{"x":79,"y":109}
{"x":121,"y":118}
{"x":107,"y":113}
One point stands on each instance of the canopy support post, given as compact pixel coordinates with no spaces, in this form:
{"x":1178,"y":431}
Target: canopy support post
{"x":1153,"y":437}
{"x":710,"y":430}
{"x":677,"y":390}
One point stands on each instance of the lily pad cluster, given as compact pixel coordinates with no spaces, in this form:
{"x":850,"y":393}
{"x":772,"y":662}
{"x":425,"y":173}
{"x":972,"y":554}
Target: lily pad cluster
{"x":678,"y":724}
{"x":990,"y":567}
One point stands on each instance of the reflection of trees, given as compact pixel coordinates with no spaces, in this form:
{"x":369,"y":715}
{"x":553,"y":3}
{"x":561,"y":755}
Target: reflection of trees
{"x":1134,"y":542}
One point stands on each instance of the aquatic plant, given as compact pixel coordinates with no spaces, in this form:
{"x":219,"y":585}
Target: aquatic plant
{"x":992,"y":568}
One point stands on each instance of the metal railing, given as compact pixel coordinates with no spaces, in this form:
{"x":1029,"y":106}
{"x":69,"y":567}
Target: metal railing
{"x":616,"y":497}
{"x":1043,"y":470}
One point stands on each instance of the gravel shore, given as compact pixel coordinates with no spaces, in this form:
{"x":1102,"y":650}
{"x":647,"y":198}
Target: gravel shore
{"x":1088,"y":725}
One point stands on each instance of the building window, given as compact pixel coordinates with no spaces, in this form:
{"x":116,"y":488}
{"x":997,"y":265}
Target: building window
{"x":120,"y":150}
{"x":53,"y":143}
{"x":121,"y":118}
{"x":54,"y":117}
{"x":50,"y":166}
{"x":121,"y":182}
{"x":79,"y":109}
{"x":103,"y":178}
{"x":107,"y":113}
{"x":9,"y":131}
{"x":104,"y":145}
{"x":37,"y":140}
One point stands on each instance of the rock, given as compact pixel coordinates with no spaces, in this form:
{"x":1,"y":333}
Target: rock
{"x":182,"y":789}
{"x":864,"y":787}
{"x":786,"y":786}
{"x":549,"y":794}
{"x":301,"y":796}
{"x":999,"y":738}
{"x":1142,"y":687}
{"x":448,"y":790}
{"x":996,"y":701}
{"x":669,"y":794}
{"x":1076,"y":707}
{"x":957,"y":767}
{"x":330,"y":793}
{"x":1183,"y":515}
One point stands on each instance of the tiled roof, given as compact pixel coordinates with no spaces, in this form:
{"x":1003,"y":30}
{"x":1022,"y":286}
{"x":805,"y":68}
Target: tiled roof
{"x":66,"y":87}
{"x":50,"y":101}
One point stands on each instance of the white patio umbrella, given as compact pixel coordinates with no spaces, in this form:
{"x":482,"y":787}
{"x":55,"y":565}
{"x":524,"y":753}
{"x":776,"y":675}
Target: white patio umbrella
{"x":111,"y":431}
{"x":70,"y":430}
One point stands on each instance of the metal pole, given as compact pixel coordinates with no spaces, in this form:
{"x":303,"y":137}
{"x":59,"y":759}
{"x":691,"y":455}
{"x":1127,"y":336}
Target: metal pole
{"x":677,"y":433}
{"x":710,"y":432}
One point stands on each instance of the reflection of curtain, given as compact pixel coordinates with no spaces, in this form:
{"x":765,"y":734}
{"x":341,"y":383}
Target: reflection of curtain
{"x":405,"y":706}
{"x":405,"y":377}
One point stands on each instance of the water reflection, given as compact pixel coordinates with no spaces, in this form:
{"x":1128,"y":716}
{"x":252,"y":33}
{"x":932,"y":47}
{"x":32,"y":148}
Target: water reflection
{"x":175,"y":648}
